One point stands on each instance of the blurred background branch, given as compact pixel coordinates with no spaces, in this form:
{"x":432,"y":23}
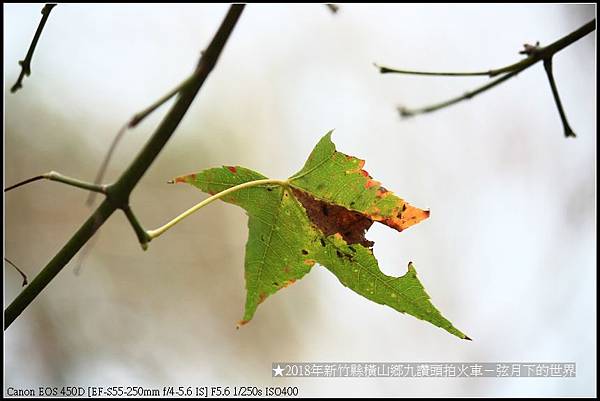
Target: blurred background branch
{"x":119,"y":192}
{"x":132,"y":123}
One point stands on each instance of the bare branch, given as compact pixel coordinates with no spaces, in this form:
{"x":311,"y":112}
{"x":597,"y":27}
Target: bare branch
{"x":26,"y":63}
{"x":119,"y":192}
{"x":563,"y":117}
{"x":405,"y":112}
{"x":534,"y":53}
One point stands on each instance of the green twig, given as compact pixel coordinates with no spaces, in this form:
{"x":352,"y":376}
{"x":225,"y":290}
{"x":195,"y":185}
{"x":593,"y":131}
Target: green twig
{"x":54,"y":176}
{"x":118,"y":193}
{"x":143,"y":237}
{"x":26,"y":63}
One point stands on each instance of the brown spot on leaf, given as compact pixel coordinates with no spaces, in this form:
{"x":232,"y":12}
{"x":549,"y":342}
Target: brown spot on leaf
{"x":410,"y":216}
{"x":382,"y":192}
{"x":334,"y":219}
{"x":261,"y":297}
{"x":371,"y":183}
{"x":184,"y":178}
{"x":288,"y":283}
{"x":241,"y":323}
{"x":232,"y":169}
{"x":310,"y":262}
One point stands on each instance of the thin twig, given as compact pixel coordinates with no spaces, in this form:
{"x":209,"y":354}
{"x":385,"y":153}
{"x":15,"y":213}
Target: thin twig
{"x":24,"y":182}
{"x":119,"y":192}
{"x":405,"y":112}
{"x":534,"y":53}
{"x":489,"y":73}
{"x":563,"y":117}
{"x":143,"y":237}
{"x":23,"y":275}
{"x":26,"y":63}
{"x":100,"y":175}
{"x":54,"y":176}
{"x":132,"y":123}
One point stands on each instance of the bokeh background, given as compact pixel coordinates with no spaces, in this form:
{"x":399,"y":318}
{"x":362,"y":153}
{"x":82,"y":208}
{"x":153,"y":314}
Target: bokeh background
{"x":508,"y":255}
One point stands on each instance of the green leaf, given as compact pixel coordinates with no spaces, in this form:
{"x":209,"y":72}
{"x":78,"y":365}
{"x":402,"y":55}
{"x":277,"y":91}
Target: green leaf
{"x":321,"y":216}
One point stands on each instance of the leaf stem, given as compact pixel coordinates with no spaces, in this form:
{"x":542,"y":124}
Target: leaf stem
{"x":157,"y":232}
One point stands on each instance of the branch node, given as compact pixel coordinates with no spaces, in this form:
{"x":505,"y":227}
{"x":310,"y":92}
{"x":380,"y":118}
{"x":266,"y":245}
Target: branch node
{"x":405,"y":112}
{"x":534,"y":53}
{"x":531,"y":50}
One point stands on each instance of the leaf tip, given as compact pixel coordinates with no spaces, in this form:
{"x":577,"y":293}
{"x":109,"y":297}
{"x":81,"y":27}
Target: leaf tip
{"x":466,"y":337}
{"x":327,"y":136}
{"x":183,"y":179}
{"x":241,"y":323}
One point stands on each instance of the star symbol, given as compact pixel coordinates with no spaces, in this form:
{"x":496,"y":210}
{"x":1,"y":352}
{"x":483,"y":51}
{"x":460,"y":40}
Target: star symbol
{"x":278,"y":371}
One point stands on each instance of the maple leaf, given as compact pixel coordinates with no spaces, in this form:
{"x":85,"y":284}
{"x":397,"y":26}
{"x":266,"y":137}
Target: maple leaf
{"x":320,"y":215}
